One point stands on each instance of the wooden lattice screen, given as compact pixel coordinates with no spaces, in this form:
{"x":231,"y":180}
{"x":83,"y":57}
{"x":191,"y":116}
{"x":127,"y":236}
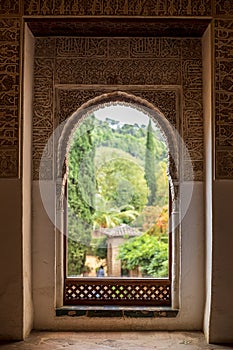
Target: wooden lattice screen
{"x":92,"y":291}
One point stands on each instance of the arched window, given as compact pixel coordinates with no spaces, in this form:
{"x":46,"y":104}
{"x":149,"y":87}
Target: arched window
{"x":119,"y":190}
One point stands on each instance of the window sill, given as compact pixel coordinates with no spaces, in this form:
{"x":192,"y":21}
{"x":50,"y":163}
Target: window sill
{"x":117,"y":311}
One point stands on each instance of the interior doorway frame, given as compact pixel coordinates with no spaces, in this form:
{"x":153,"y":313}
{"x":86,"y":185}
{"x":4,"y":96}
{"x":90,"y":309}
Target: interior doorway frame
{"x":55,"y":291}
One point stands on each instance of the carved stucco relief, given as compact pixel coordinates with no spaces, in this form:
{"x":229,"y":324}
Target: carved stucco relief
{"x":224,"y":161}
{"x":9,"y":7}
{"x":192,"y":108}
{"x":186,"y":49}
{"x":9,"y":96}
{"x":117,"y":61}
{"x":43,"y":114}
{"x":120,"y":72}
{"x":118,"y":7}
{"x":145,"y":62}
{"x":224,"y":7}
{"x":69,"y":100}
{"x":224,"y":98}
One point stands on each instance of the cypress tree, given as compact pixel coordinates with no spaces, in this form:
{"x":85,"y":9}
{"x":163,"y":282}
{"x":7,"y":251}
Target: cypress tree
{"x":150,"y":164}
{"x":81,"y":194}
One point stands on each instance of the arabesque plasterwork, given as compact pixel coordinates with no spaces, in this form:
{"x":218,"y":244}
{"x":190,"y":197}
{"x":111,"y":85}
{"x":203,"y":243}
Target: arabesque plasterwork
{"x":62,"y":64}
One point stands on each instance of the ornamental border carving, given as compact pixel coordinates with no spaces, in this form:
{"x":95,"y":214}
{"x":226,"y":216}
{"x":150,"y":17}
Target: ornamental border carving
{"x":118,"y":8}
{"x":224,"y":98}
{"x":9,"y":95}
{"x":10,"y":7}
{"x":95,"y":62}
{"x":224,"y":7}
{"x":10,"y":34}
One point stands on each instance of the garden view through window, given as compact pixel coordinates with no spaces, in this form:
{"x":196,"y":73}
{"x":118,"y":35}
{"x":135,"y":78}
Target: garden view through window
{"x":118,"y":197}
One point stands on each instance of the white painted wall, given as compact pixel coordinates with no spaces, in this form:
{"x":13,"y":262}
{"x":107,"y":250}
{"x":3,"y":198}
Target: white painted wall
{"x":192,"y":274}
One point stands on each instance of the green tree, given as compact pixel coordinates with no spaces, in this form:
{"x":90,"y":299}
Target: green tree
{"x":150,"y":165}
{"x":162,"y":183}
{"x":147,"y":252}
{"x":126,"y":137}
{"x":121,"y":182}
{"x":114,"y":217}
{"x":81,"y":194}
{"x":106,"y":217}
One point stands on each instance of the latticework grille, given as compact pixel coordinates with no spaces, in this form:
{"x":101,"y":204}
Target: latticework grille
{"x":116,"y":291}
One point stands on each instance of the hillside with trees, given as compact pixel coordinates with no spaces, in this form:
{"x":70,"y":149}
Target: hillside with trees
{"x":117,"y":175}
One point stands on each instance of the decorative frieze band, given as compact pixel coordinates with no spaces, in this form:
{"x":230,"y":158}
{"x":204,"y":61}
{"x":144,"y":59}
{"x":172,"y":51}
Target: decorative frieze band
{"x":224,"y":98}
{"x":43,"y":125}
{"x":193,"y":133}
{"x":9,"y":95}
{"x":118,"y":7}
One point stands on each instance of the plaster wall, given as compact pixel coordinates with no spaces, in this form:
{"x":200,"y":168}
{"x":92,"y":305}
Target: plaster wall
{"x":208,"y":135}
{"x":218,"y":320}
{"x":27,"y":178}
{"x":192,"y":279}
{"x":11,"y":281}
{"x":221,"y":326}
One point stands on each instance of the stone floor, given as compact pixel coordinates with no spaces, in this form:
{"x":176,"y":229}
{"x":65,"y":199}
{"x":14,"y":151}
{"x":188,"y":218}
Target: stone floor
{"x":113,"y":340}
